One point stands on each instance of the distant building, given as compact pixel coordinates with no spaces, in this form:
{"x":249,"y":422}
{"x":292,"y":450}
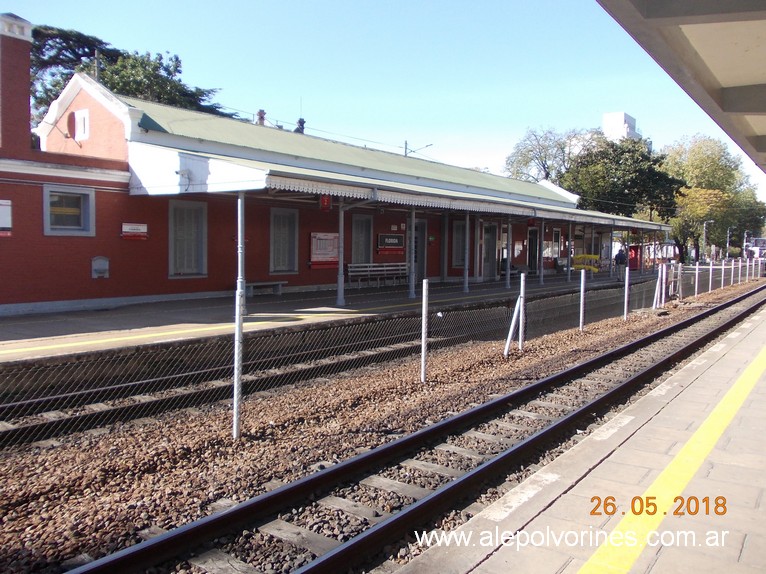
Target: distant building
{"x":618,"y":125}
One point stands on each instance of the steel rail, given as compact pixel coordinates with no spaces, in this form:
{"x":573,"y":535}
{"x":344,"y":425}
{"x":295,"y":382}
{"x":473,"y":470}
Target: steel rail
{"x":177,"y":542}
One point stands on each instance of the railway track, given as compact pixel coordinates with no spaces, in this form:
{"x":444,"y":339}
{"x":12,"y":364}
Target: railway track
{"x":324,"y":519}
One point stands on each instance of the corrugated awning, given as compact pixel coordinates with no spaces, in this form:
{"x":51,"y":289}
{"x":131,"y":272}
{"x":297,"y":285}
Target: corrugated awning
{"x":157,"y":170}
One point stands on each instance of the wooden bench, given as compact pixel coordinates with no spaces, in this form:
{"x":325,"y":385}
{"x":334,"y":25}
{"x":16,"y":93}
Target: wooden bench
{"x":376,"y":271}
{"x":276,"y":287}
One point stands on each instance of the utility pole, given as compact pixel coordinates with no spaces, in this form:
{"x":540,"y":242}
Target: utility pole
{"x":408,"y":151}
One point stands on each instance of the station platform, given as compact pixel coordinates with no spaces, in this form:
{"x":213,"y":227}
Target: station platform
{"x":675,"y":483}
{"x":54,"y":334}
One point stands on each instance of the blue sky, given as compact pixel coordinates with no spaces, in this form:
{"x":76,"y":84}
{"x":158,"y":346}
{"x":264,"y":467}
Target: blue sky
{"x":466,"y":79}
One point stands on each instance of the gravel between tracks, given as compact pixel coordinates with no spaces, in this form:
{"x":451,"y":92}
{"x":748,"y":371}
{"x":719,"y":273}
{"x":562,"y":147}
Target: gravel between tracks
{"x":94,"y":491}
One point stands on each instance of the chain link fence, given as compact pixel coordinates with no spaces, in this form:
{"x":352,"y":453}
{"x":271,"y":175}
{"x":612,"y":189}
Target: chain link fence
{"x":41,"y":399}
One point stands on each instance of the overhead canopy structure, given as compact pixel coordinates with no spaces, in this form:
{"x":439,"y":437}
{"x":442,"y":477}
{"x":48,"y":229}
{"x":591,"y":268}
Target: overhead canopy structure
{"x":715,"y":50}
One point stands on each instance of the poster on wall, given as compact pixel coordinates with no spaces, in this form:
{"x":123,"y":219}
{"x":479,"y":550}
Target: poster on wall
{"x":324,"y":250}
{"x":5,"y":218}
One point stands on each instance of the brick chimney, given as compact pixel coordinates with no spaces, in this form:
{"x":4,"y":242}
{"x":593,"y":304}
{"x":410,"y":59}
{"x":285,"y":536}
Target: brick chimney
{"x":15,"y":49}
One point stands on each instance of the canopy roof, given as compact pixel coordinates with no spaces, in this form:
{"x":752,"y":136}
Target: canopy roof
{"x":715,"y":50}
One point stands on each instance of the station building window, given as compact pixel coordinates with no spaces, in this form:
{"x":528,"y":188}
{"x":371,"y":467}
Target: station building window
{"x":458,"y":243}
{"x":69,"y":211}
{"x":188,"y":238}
{"x":284,"y":241}
{"x":361,"y":239}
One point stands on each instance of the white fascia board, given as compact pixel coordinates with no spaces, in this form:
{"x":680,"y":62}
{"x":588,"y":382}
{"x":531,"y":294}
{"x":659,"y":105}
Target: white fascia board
{"x":66,"y":171}
{"x":158,"y":170}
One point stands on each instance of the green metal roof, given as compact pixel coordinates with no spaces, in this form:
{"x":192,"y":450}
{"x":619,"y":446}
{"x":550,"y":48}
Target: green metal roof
{"x":305,"y":157}
{"x":211,"y":128}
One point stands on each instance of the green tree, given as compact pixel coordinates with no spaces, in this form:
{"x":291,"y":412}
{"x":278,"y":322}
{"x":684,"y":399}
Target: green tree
{"x":156,"y":79}
{"x":57,"y":54}
{"x":545,"y":154}
{"x":729,"y":199}
{"x":695,"y":207}
{"x":624,"y":178}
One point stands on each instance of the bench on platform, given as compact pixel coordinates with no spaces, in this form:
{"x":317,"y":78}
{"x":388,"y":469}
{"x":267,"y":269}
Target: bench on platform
{"x":276,"y":287}
{"x":376,"y":271}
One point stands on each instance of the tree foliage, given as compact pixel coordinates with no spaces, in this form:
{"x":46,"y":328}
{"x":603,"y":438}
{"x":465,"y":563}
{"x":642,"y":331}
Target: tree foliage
{"x":57,"y":54}
{"x":719,"y":192}
{"x":545,"y":154}
{"x":624,"y":178}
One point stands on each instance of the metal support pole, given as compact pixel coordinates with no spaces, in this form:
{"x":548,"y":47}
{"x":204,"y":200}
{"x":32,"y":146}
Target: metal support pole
{"x":424,"y":333}
{"x":593,"y":245}
{"x":466,"y":252}
{"x":611,"y":253}
{"x":513,"y":327}
{"x":239,"y":315}
{"x":540,"y":259}
{"x":508,"y":254}
{"x":696,"y":279}
{"x":522,"y":310}
{"x":723,"y":274}
{"x":656,"y":301}
{"x":582,"y":299}
{"x":413,"y":269}
{"x":627,"y":293}
{"x":340,"y":290}
{"x":569,"y":254}
{"x":680,"y":281}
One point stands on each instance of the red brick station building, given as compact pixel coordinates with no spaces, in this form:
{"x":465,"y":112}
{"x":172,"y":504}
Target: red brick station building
{"x":131,"y":201}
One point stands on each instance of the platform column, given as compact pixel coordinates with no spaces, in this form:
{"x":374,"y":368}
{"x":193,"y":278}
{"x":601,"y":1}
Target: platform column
{"x":466,"y":252}
{"x":239,"y":314}
{"x":341,"y":295}
{"x":569,"y":253}
{"x":413,"y":269}
{"x":508,"y":254}
{"x":540,"y":243}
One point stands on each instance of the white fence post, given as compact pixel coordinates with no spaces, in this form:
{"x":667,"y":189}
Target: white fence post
{"x":696,"y":279}
{"x":656,"y":301}
{"x":723,"y":273}
{"x":627,"y":292}
{"x":739,"y":279}
{"x":522,"y":310}
{"x":512,"y":328}
{"x":680,"y":281}
{"x":424,"y":333}
{"x":710,"y":279}
{"x":582,"y":299}
{"x":239,"y":313}
{"x":664,"y":284}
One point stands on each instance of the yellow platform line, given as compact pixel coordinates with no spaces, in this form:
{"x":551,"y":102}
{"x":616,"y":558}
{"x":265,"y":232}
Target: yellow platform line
{"x":620,"y":556}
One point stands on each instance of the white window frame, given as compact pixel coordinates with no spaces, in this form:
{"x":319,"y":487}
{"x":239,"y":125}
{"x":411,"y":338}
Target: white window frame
{"x":201,"y":240}
{"x":458,"y":243}
{"x":81,"y":125}
{"x":276,"y":239}
{"x":87,"y":227}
